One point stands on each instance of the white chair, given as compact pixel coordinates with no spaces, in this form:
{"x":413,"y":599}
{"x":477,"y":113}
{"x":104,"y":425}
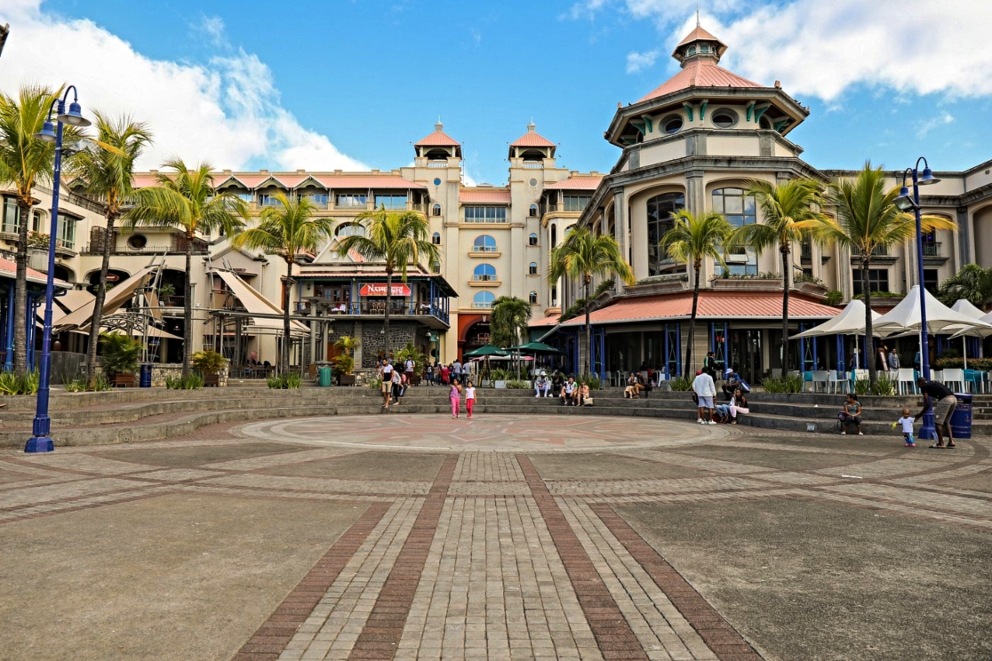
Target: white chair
{"x":820,"y":379}
{"x":952,"y":377}
{"x":906,"y":380}
{"x":837,"y":382}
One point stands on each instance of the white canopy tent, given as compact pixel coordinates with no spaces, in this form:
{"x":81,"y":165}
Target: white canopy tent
{"x":964,"y":332}
{"x":850,"y":321}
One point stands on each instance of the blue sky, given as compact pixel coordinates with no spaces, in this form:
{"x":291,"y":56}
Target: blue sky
{"x":352,"y":84}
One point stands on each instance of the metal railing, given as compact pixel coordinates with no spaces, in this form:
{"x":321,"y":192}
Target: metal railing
{"x":931,"y":249}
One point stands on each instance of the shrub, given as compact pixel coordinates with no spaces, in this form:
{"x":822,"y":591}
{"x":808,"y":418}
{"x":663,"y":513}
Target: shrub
{"x":680,"y":384}
{"x":883,"y":387}
{"x":788,"y":384}
{"x":592,"y":381}
{"x":833,"y":297}
{"x":19,"y":384}
{"x":120,"y":353}
{"x":285,"y":381}
{"x":76,"y":385}
{"x":192,"y":382}
{"x":208,"y":362}
{"x":518,"y":385}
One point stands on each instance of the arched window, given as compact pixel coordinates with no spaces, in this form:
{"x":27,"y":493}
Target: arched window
{"x":484,"y":243}
{"x":350,"y":229}
{"x":532,"y":269}
{"x":532,"y":297}
{"x":739,"y":210}
{"x":436,"y":239}
{"x":660,"y":210}
{"x":436,"y":210}
{"x":484,"y":273}
{"x":532,"y":239}
{"x":484,"y":299}
{"x":533,"y":211}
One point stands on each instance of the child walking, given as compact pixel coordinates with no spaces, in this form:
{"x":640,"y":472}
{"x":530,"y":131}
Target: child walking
{"x":469,"y":398}
{"x":456,"y":398}
{"x":906,"y":422}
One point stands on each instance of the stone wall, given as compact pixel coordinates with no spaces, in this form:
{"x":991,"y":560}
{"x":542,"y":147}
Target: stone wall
{"x":374,"y":342}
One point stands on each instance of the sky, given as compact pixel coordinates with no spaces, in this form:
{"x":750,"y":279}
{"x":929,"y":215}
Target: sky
{"x":352,"y":84}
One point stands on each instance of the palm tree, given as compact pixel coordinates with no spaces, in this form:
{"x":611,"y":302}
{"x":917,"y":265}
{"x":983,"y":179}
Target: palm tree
{"x":691,"y":240}
{"x":790,"y":212}
{"x":868,"y":220}
{"x":398,"y":238}
{"x":972,"y":283}
{"x":509,"y":320}
{"x":289,"y":229}
{"x":107,"y":174}
{"x":24,"y":158}
{"x":186,"y":199}
{"x":583,"y":255}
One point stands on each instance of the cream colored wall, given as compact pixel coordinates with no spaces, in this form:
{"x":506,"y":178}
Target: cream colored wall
{"x":745,"y":144}
{"x":653,"y":153}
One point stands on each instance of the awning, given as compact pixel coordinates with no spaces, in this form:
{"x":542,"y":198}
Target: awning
{"x":260,"y":309}
{"x":713,"y":305}
{"x":116,"y":297}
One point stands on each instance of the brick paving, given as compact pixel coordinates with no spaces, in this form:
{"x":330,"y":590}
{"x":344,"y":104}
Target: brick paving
{"x":489,"y":558}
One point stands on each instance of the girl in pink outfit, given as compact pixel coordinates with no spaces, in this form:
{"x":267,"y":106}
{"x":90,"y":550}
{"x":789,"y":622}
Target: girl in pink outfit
{"x":469,"y":398}
{"x":456,"y":398}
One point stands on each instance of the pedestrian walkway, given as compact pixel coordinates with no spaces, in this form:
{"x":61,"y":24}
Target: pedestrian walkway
{"x":504,"y":537}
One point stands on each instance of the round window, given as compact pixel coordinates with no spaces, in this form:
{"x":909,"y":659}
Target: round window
{"x":437,"y":181}
{"x":137,"y":241}
{"x":672,"y":124}
{"x":533,"y":182}
{"x":724,"y":118}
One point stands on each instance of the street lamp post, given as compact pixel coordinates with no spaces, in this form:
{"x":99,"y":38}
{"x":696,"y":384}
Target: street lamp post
{"x":41,"y":441}
{"x":904,"y":202}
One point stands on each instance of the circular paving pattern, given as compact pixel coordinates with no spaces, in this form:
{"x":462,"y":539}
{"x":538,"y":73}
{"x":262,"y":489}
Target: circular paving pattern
{"x":506,"y":433}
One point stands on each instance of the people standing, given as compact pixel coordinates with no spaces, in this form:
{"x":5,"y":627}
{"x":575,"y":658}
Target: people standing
{"x":882,"y":359}
{"x":456,"y":370}
{"x":386,"y":374}
{"x":408,"y":369}
{"x":894,"y":362}
{"x":705,"y":390}
{"x":944,"y":407}
{"x":429,"y":373}
{"x":469,"y":398}
{"x":397,"y":386}
{"x":455,"y":395}
{"x":445,"y":375}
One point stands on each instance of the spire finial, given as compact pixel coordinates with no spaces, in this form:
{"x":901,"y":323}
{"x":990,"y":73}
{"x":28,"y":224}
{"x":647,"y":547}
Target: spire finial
{"x":697,"y":14}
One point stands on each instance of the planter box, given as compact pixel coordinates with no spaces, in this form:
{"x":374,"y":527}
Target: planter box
{"x":211,"y":380}
{"x":499,"y":384}
{"x":346,"y":379}
{"x":123,"y":381}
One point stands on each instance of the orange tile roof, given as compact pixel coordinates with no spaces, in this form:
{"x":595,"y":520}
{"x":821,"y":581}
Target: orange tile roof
{"x":328,"y":180}
{"x":545,"y":321}
{"x":583,"y":182}
{"x":437,"y":139}
{"x":699,"y":72}
{"x":8,"y":269}
{"x":532,"y":139}
{"x":712,"y":305}
{"x":484,"y":196}
{"x":699,"y":34}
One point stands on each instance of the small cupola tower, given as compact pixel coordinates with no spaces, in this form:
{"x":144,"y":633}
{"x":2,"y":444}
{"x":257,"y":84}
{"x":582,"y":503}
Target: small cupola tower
{"x":438,"y":146}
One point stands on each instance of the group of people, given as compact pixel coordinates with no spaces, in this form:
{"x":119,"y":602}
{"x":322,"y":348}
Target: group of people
{"x":735,"y":391}
{"x":455,"y":397}
{"x":438,"y":374}
{"x":394,"y":380}
{"x":935,"y":395}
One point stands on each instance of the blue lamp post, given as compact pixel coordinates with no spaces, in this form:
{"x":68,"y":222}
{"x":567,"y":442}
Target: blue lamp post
{"x":41,"y":441}
{"x":904,"y":203}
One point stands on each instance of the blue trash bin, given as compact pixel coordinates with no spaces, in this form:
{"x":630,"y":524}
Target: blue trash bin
{"x":145,"y":376}
{"x":961,"y":418}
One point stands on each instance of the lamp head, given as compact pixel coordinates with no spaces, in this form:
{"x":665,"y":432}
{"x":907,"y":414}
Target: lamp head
{"x":904,"y":202}
{"x":47,"y":132}
{"x":927,"y":178}
{"x":75,"y":116}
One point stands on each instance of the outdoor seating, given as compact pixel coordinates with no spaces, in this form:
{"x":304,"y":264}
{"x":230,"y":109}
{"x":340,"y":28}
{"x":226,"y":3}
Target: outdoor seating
{"x":906,"y":380}
{"x":836,"y":382}
{"x":954,"y":377}
{"x":819,"y":378}
{"x":975,"y":380}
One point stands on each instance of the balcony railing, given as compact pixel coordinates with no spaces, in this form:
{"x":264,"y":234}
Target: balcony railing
{"x":879,"y":251}
{"x":398,"y":308}
{"x":931,"y":249}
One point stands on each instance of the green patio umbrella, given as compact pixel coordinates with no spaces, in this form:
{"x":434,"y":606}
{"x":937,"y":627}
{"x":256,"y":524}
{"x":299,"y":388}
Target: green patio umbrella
{"x":537,"y":347}
{"x":486,"y":350}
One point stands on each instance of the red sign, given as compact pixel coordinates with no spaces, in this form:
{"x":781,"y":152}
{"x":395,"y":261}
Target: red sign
{"x":372,"y":289}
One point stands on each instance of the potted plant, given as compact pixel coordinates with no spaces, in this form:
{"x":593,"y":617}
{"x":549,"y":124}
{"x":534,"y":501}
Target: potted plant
{"x":344,"y":363}
{"x":165,"y":293}
{"x":500,"y":377}
{"x":210,"y":364}
{"x":120,"y":358}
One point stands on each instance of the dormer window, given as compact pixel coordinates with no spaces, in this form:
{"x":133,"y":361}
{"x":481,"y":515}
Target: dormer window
{"x":690,"y":51}
{"x":703,"y":48}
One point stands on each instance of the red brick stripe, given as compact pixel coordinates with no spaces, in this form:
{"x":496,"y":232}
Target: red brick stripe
{"x":276,"y":632}
{"x":384,"y":628}
{"x":715,"y":631}
{"x":613,"y":634}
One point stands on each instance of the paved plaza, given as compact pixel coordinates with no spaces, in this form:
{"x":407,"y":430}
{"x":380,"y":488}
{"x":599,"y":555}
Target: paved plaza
{"x":510,"y":537}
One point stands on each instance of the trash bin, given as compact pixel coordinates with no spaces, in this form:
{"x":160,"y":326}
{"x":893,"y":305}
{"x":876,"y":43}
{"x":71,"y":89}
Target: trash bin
{"x":961,"y":418}
{"x":145,"y":377}
{"x":324,"y":376}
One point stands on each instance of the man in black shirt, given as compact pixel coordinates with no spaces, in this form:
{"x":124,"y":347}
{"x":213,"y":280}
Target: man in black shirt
{"x":944,"y":407}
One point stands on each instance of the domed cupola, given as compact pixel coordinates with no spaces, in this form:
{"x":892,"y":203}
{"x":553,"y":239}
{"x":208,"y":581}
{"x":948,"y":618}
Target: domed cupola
{"x":704,"y":96}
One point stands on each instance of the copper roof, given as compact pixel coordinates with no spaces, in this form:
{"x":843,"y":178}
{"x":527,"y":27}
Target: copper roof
{"x":699,"y":72}
{"x":532,"y":139}
{"x":544,"y":321}
{"x":699,"y":34}
{"x":583,"y":182}
{"x":484,"y":196}
{"x":437,"y":139}
{"x":712,"y":305}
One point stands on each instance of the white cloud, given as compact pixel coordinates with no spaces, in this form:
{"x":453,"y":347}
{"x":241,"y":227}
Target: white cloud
{"x":639,"y":61}
{"x":213,"y":27}
{"x":924,"y":127}
{"x":823,"y":49}
{"x":226,"y":111}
